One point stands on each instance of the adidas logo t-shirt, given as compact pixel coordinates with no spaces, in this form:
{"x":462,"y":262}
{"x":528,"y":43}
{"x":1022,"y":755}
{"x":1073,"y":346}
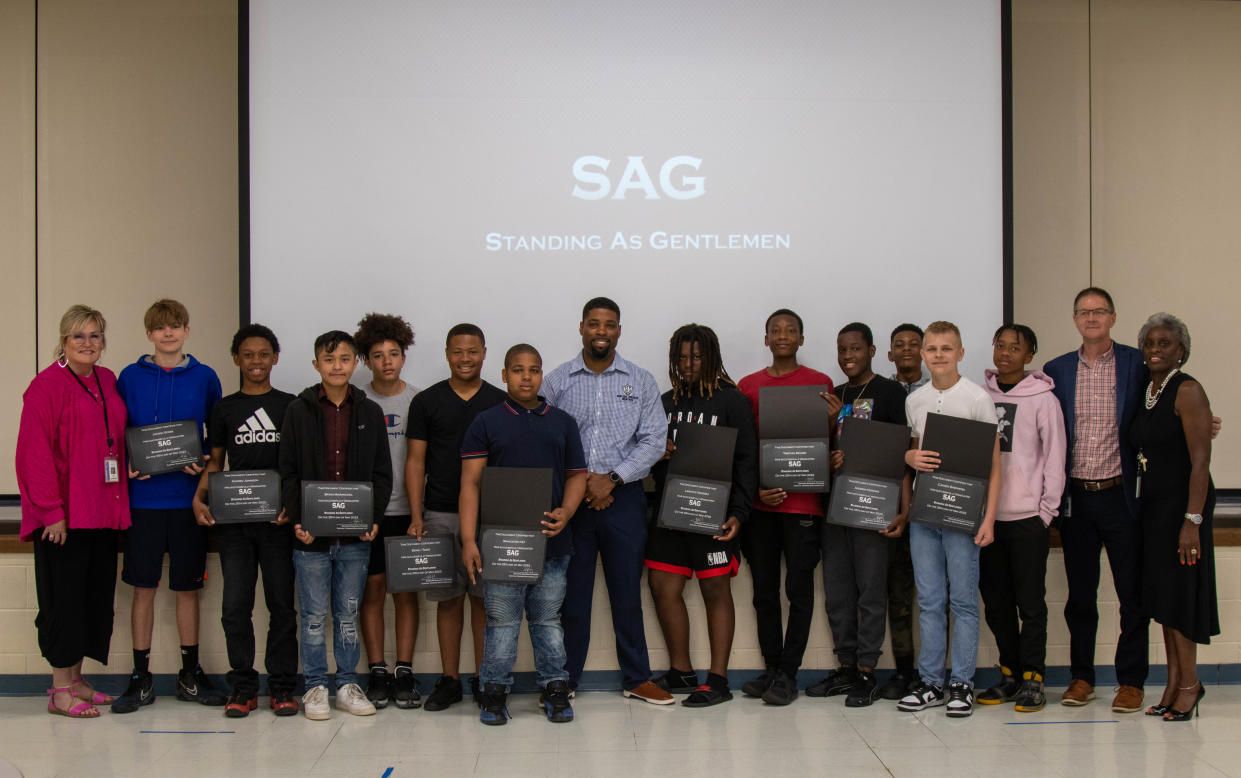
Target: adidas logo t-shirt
{"x":247,"y":426}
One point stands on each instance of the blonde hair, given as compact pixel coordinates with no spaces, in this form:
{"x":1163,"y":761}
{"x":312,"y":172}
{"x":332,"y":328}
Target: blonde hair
{"x":166,"y":313}
{"x":77,"y":317}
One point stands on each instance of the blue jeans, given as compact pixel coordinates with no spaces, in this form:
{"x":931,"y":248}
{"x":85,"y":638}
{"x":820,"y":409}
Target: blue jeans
{"x":946,"y":574}
{"x":504,"y":604}
{"x":338,"y":575}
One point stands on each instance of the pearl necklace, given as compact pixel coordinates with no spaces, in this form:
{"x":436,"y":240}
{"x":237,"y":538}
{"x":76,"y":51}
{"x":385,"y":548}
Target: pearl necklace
{"x":1152,"y":401}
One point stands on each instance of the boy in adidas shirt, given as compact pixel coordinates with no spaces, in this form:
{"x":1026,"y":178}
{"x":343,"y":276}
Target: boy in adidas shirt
{"x":524,"y":431}
{"x":245,"y":432}
{"x":855,"y":560}
{"x":332,"y":432}
{"x":702,"y":393}
{"x":164,"y":386}
{"x":438,"y":419}
{"x":945,"y":561}
{"x":383,"y":340}
{"x":1013,"y":569}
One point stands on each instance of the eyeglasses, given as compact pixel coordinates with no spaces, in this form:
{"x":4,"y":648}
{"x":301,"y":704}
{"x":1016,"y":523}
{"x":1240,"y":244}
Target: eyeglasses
{"x":82,"y":337}
{"x":1088,"y":313}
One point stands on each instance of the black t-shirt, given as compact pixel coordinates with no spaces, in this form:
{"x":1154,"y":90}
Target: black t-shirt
{"x":1005,"y":388}
{"x":247,"y":427}
{"x":440,"y":417}
{"x":882,"y":399}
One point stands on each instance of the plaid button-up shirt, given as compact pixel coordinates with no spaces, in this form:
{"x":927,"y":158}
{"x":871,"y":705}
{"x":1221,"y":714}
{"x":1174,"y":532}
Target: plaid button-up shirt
{"x":1096,"y":433}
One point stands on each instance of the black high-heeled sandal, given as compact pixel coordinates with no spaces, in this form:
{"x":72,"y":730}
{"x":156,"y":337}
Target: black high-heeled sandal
{"x":1185,"y":715}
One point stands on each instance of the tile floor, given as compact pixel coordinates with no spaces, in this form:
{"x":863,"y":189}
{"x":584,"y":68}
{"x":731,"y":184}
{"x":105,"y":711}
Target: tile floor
{"x":613,"y":736}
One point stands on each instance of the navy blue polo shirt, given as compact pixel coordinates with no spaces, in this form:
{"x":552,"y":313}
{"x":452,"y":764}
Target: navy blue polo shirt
{"x":512,"y":436}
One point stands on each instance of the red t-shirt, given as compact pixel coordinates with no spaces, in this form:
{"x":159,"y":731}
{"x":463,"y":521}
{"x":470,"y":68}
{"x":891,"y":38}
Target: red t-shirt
{"x":808,"y":503}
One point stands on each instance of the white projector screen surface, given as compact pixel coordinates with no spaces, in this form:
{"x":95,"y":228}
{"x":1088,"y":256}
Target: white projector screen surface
{"x":501,"y":163}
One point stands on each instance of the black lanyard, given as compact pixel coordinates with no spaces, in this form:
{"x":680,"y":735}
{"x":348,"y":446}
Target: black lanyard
{"x":107,"y":428}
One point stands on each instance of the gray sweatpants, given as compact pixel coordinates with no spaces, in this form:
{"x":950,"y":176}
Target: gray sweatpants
{"x":855,"y":586}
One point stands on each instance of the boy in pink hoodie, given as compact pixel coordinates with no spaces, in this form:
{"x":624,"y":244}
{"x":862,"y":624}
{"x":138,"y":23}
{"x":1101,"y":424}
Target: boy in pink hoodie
{"x":1013,"y":569}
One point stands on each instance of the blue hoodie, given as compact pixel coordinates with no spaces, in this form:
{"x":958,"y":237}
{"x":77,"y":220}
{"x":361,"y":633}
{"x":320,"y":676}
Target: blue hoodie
{"x":153,"y":394}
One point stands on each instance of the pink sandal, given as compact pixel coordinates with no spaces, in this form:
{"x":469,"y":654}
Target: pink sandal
{"x":96,"y":697}
{"x":83,"y":710}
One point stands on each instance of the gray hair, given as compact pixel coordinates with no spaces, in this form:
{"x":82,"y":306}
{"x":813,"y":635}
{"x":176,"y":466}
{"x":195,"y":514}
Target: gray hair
{"x":1172,"y":325}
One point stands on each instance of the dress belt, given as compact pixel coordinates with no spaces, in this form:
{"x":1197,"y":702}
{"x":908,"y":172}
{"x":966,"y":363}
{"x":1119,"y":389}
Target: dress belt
{"x":1096,"y":486}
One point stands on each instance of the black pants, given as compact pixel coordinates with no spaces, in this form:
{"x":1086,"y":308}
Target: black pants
{"x":75,"y":584}
{"x":1013,"y":579}
{"x":764,"y":539}
{"x":901,"y":594}
{"x":1100,"y":520}
{"x":855,"y":590}
{"x":244,"y":549}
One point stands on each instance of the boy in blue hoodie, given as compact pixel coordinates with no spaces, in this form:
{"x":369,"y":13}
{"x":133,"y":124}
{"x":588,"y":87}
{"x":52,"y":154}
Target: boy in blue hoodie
{"x":166,"y":385}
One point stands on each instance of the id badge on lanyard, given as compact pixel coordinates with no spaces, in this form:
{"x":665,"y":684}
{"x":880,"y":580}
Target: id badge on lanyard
{"x":111,"y":470}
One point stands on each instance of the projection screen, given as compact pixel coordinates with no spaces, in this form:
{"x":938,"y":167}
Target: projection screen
{"x":500,"y":163}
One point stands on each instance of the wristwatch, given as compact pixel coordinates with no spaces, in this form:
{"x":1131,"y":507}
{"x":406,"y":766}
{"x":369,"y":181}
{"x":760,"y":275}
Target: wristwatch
{"x":618,"y":481}
{"x":1195,"y":518}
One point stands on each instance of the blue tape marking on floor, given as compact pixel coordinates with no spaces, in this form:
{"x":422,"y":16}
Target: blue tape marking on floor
{"x":387,"y":772}
{"x":187,"y":732}
{"x":1029,"y":723}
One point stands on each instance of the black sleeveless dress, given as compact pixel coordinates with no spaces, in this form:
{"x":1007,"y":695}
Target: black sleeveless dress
{"x":1178,"y":596}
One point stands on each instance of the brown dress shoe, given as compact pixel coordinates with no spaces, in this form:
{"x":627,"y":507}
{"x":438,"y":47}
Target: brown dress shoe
{"x":1128,"y":700}
{"x":1079,"y":693}
{"x":649,"y":692}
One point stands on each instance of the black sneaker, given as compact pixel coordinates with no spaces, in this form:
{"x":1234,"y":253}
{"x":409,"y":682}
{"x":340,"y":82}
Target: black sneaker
{"x":782,"y":690}
{"x":1030,"y":698}
{"x":676,"y":682}
{"x":405,"y":692}
{"x":960,"y":700}
{"x":1004,"y":691}
{"x":493,"y":710}
{"x":139,"y":692}
{"x":447,"y":691}
{"x":379,"y":687}
{"x":837,"y":681}
{"x":922,"y":697}
{"x":898,"y":685}
{"x":757,"y":687}
{"x":863,"y":692}
{"x":476,"y":693}
{"x":555,"y":702}
{"x":195,"y":686}
{"x":706,"y":695}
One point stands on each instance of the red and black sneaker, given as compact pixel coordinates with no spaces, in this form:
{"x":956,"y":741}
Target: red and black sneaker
{"x":284,"y":703}
{"x":240,"y":704}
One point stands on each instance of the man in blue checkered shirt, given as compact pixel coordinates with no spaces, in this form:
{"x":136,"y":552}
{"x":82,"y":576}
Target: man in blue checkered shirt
{"x":618,"y":412}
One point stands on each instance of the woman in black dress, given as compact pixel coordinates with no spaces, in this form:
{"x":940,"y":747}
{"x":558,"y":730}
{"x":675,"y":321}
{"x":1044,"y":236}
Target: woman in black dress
{"x":1172,"y":435}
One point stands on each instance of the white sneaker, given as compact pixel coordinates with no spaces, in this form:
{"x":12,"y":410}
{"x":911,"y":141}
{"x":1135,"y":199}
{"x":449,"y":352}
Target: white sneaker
{"x":351,"y":699}
{"x":315,"y":704}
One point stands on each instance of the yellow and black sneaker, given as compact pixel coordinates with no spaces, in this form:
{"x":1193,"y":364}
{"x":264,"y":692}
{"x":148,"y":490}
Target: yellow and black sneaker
{"x":1004,"y":691}
{"x":1030,"y":698}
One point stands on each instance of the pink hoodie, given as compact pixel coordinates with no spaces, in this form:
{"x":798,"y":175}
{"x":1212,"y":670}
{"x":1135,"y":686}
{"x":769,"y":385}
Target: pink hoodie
{"x":1032,"y":447}
{"x":61,"y":446}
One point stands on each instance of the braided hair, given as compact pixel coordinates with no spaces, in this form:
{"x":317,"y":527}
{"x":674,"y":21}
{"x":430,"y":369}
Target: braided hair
{"x":711,"y":376}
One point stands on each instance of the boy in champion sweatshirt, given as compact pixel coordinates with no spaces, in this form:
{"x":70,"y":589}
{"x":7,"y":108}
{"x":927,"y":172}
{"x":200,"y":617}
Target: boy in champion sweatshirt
{"x":166,"y":385}
{"x":1013,"y":569}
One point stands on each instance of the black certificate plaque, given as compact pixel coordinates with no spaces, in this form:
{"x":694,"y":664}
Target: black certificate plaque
{"x":334,"y":509}
{"x":954,"y":497}
{"x":699,"y":479}
{"x":512,"y":556}
{"x":512,"y":542}
{"x":794,"y":429}
{"x":164,"y":448}
{"x":867,"y":490}
{"x":239,"y":496}
{"x":414,"y":565}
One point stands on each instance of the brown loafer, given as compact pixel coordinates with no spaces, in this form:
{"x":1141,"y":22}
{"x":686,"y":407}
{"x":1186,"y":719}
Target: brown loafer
{"x":1079,"y":693}
{"x":649,"y":692}
{"x":1128,"y":700}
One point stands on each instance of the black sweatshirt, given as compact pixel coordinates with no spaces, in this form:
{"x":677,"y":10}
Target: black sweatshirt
{"x":726,"y":407}
{"x":367,"y":457}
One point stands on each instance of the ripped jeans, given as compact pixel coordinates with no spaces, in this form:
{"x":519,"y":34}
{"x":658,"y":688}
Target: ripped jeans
{"x":338,"y":574}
